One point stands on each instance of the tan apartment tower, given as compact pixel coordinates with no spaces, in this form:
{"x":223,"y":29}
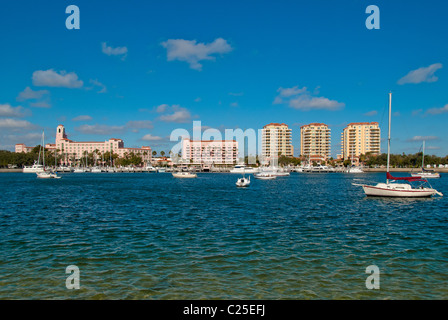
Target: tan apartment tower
{"x":359,"y":138}
{"x":315,"y":142}
{"x":276,"y":141}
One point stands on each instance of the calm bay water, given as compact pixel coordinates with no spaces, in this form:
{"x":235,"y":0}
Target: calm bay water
{"x":150,"y":236}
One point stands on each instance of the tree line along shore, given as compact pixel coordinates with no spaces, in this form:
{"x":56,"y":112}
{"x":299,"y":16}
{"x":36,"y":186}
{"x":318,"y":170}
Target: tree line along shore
{"x":378,"y":162}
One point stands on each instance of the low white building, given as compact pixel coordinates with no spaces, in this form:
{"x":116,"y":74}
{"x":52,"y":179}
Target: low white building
{"x":209,"y":151}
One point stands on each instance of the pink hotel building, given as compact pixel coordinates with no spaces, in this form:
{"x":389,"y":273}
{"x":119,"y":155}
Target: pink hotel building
{"x":75,"y":150}
{"x":209,"y":151}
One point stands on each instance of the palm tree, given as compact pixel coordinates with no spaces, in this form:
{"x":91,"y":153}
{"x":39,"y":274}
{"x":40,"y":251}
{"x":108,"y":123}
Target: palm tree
{"x":162,"y":153}
{"x":154,"y":153}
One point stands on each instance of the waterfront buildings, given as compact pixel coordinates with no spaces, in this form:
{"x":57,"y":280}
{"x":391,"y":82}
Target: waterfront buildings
{"x":209,"y":151}
{"x":276,"y":141}
{"x":74,"y":151}
{"x":360,"y":138}
{"x":21,"y":147}
{"x":315,"y":142}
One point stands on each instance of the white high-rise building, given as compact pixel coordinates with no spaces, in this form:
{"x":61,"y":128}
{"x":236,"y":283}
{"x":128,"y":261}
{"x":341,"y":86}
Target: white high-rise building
{"x":315,"y":142}
{"x":359,"y":138}
{"x":276,"y":141}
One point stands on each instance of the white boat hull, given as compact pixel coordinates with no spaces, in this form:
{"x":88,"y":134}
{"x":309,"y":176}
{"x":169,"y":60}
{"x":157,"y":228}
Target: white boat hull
{"x":243,"y":182}
{"x":47,"y":175}
{"x":425,"y":175}
{"x":33,"y":169}
{"x":247,"y":170}
{"x":265,"y":176}
{"x":184,"y":175}
{"x":397,"y":191}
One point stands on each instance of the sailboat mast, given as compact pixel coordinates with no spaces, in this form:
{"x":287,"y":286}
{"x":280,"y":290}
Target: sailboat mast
{"x":423,"y":155}
{"x":388,"y":135}
{"x":43,"y":149}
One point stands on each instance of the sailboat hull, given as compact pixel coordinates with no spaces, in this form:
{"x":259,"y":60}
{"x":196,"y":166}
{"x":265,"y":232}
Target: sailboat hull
{"x":425,"y":175}
{"x":397,"y":191}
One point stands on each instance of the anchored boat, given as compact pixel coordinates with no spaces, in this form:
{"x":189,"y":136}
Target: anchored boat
{"x":399,"y":190}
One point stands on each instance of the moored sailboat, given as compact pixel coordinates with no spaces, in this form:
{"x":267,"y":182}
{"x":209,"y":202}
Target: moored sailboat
{"x":45,"y":174}
{"x":427,"y":174}
{"x":398,"y":190}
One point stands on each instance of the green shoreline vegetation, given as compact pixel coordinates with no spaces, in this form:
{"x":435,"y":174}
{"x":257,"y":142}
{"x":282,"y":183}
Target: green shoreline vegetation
{"x":396,"y":160}
{"x":9,"y":158}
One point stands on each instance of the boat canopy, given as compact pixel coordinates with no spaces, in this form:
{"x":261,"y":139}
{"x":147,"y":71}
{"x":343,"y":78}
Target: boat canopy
{"x":389,"y":177}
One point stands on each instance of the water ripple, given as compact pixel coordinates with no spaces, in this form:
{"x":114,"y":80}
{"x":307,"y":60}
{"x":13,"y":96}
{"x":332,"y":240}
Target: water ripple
{"x":149,"y":236}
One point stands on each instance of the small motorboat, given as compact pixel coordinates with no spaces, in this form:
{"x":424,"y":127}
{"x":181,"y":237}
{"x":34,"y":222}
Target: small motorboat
{"x":184,"y":175}
{"x":243,"y":182}
{"x":265,"y":176}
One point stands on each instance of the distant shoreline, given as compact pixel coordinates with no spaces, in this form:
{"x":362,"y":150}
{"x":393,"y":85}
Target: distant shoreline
{"x":403,"y":169}
{"x":365,"y":170}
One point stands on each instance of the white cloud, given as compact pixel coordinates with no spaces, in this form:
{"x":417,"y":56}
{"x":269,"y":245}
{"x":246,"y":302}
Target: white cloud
{"x":162,"y":108}
{"x":192,"y":52}
{"x":288,"y":92}
{"x":40,"y":104}
{"x":8,"y":123}
{"x":30,"y":94}
{"x":424,"y":74}
{"x":438,"y":110}
{"x":307,"y":103}
{"x":8,"y":141}
{"x":422,"y":138}
{"x":99,"y":84}
{"x":6,"y":110}
{"x":82,"y":118}
{"x":100,"y":129}
{"x":371,"y":113}
{"x":180,"y":116}
{"x":136,"y":125}
{"x":176,"y":114}
{"x":117,"y":51}
{"x":301,"y":99}
{"x":51,"y":78}
{"x":150,"y":137}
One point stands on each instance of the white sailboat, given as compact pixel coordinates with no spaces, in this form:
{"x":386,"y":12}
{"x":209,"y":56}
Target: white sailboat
{"x":398,"y":190}
{"x":96,"y":168}
{"x":45,"y":174}
{"x":426,"y":174}
{"x":353,"y":168}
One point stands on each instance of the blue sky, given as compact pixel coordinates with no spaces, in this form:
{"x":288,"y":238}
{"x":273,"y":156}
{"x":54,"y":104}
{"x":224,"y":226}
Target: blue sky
{"x":136,"y":70}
